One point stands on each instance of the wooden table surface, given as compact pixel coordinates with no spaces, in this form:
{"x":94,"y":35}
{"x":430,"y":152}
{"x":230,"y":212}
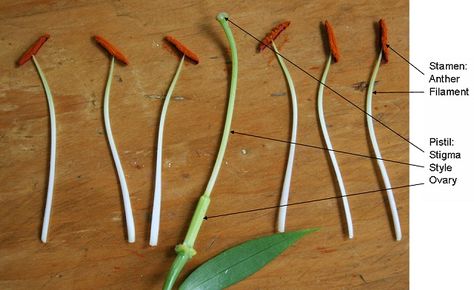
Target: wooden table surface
{"x":87,"y":247}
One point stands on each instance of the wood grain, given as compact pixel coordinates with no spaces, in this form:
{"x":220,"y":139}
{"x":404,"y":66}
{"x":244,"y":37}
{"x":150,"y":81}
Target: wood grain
{"x":87,"y":247}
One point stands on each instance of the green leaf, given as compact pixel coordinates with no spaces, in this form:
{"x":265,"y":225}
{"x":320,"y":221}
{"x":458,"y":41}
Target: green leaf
{"x":239,"y":262}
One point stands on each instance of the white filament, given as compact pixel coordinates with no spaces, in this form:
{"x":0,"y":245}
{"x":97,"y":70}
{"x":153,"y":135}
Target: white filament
{"x":332,"y":155}
{"x":285,"y":193}
{"x":375,"y":146}
{"x":123,"y":183}
{"x":52,"y":158}
{"x":155,"y":217}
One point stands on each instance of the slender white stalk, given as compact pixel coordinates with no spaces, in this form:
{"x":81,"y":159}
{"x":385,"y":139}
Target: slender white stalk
{"x":155,"y":216}
{"x":332,"y":155}
{"x":375,"y":146}
{"x":123,"y":183}
{"x":285,"y":193}
{"x":52,"y":157}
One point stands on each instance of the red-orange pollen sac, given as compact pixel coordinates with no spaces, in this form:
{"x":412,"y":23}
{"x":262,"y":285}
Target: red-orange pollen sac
{"x":384,"y":39}
{"x":33,"y":50}
{"x":272,"y":35}
{"x":111,"y":49}
{"x":183,"y":49}
{"x":332,"y":41}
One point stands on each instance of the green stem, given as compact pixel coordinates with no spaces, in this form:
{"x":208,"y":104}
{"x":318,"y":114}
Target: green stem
{"x":185,"y":251}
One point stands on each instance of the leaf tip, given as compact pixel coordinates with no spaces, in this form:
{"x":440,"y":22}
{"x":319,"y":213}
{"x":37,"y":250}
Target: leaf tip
{"x":309,"y":231}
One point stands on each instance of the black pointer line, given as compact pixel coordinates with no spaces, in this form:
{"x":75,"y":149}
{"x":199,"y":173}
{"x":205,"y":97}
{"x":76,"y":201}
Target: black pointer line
{"x":398,"y":92}
{"x":307,"y":201}
{"x":329,"y":88}
{"x":404,"y":59}
{"x":324,"y":148}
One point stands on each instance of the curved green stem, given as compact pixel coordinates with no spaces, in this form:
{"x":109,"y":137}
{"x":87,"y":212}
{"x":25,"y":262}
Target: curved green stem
{"x":378,"y":154}
{"x":155,"y":216}
{"x":332,"y":154}
{"x":52,"y":157}
{"x":285,"y":192}
{"x":185,"y":251}
{"x":222,"y":18}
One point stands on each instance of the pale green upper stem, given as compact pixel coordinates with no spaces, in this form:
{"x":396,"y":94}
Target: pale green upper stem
{"x":285,"y":192}
{"x":155,"y":216}
{"x":123,"y":183}
{"x":375,"y":146}
{"x":185,"y":251}
{"x":52,"y":158}
{"x":332,"y":154}
{"x":230,"y":107}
